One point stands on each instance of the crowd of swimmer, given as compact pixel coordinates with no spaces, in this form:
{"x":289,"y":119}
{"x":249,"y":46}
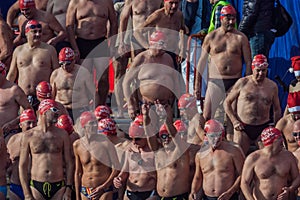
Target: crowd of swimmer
{"x":59,"y":139}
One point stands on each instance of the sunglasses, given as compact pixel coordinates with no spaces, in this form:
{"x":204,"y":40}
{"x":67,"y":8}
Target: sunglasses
{"x":36,"y":31}
{"x":34,"y":26}
{"x":65,"y":62}
{"x":164,"y":136}
{"x":54,"y":110}
{"x":296,"y":134}
{"x":212,"y":135}
{"x":262,"y":65}
{"x":136,"y":139}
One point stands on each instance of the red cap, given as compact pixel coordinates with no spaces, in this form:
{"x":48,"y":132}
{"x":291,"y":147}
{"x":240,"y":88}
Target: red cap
{"x":23,"y":4}
{"x":27,"y":115}
{"x":86,"y":117}
{"x":45,"y":105}
{"x":66,"y":54}
{"x":2,"y":68}
{"x":136,"y":129}
{"x":269,"y":135}
{"x":32,"y":24}
{"x":180,"y":126}
{"x":107,"y":126}
{"x":65,"y":122}
{"x":214,"y":126}
{"x":293,"y":102}
{"x":227,"y":10}
{"x":157,"y":37}
{"x":187,"y":101}
{"x":296,"y":65}
{"x":43,"y":90}
{"x":260,"y":61}
{"x":163,"y":130}
{"x":102,"y":112}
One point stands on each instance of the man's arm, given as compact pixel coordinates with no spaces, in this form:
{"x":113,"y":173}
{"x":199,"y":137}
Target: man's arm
{"x":23,"y":165}
{"x":78,"y":170}
{"x":112,"y":17}
{"x":12,"y":13}
{"x":52,"y":83}
{"x":54,"y":58}
{"x":198,"y":178}
{"x":69,"y":164}
{"x":125,"y":14}
{"x":149,"y":129}
{"x":6,"y":45}
{"x":276,"y":105}
{"x":13,"y":70}
{"x":247,"y":177}
{"x":246,"y":54}
{"x":57,"y":28}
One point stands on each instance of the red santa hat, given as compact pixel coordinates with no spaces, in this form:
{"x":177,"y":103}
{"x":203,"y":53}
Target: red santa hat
{"x":295,"y":65}
{"x":293,"y":102}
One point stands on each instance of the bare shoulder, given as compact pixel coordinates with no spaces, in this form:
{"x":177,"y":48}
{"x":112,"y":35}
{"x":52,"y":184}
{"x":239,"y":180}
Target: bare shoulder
{"x":55,"y":73}
{"x":271,"y":83}
{"x":252,"y":158}
{"x":287,"y":155}
{"x":77,"y":144}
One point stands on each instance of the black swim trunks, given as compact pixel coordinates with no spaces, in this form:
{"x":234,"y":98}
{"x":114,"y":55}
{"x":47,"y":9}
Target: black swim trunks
{"x":235,"y":196}
{"x":48,"y":190}
{"x":184,"y":196}
{"x":93,"y":48}
{"x":140,"y":195}
{"x":224,"y":83}
{"x":254,"y":131}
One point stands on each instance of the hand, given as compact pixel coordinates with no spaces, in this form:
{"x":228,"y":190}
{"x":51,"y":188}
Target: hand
{"x":160,"y":109}
{"x":285,"y":194}
{"x":192,"y":197}
{"x":96,"y":193}
{"x":123,"y":49}
{"x":132,"y":112}
{"x":52,"y":41}
{"x":225,"y":196}
{"x":117,"y":182}
{"x":67,"y":194}
{"x":237,"y":125}
{"x":145,"y":109}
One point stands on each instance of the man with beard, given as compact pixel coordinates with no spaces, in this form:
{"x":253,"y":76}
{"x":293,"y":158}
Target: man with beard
{"x":48,"y":148}
{"x":254,"y":94}
{"x":285,"y":124}
{"x":218,"y":167}
{"x":225,"y":48}
{"x":154,"y":72}
{"x":27,"y":121}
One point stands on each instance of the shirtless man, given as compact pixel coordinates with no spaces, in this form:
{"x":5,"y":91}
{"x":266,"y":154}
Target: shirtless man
{"x":138,"y":172}
{"x":255,"y":94}
{"x":27,"y":121}
{"x":59,"y":10}
{"x":96,"y":162}
{"x":219,"y":167}
{"x":296,"y":135}
{"x":171,"y":161}
{"x":53,"y":32}
{"x":6,"y":45}
{"x":285,"y":124}
{"x":194,"y":120}
{"x":71,"y":90}
{"x":3,"y":166}
{"x":270,"y":173}
{"x":12,"y":97}
{"x":170,"y":20}
{"x":86,"y":26}
{"x":15,"y":9}
{"x":32,"y":62}
{"x":44,"y":91}
{"x":155,"y":73}
{"x":48,"y":149}
{"x":226,"y":47}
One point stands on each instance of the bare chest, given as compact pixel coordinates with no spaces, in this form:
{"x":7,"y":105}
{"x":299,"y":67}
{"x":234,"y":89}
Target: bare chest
{"x":216,"y":162}
{"x":267,"y":168}
{"x":225,"y":44}
{"x":34,"y":59}
{"x":49,"y":144}
{"x":65,"y":82}
{"x":145,"y":7}
{"x":257,"y":95}
{"x":92,"y":9}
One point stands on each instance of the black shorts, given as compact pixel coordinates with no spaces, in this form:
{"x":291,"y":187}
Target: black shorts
{"x":226,"y":83}
{"x":254,"y":131}
{"x":235,"y":196}
{"x":93,"y":48}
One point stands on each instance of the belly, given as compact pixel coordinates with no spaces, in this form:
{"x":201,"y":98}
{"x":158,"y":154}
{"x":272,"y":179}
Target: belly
{"x":153,"y":92}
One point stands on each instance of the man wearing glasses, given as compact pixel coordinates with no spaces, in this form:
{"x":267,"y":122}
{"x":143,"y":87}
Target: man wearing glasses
{"x":48,"y":147}
{"x":254,"y":94}
{"x":285,"y":124}
{"x":72,"y":91}
{"x":32,"y":62}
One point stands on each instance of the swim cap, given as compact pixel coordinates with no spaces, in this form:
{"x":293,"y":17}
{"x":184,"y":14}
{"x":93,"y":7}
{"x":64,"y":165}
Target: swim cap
{"x":45,"y":105}
{"x":102,"y":112}
{"x":260,"y":61}
{"x":66,"y":54}
{"x":86,"y":117}
{"x":214,"y":126}
{"x":107,"y":126}
{"x":269,"y":135}
{"x":136,"y":129}
{"x":296,"y":65}
{"x":32,"y":24}
{"x":180,"y":126}
{"x":24,"y":4}
{"x":227,"y":10}
{"x":43,"y":90}
{"x":2,"y":68}
{"x":293,"y":102}
{"x":158,"y":37}
{"x":27,"y":115}
{"x":163,"y":130}
{"x":65,"y":122}
{"x":187,"y":101}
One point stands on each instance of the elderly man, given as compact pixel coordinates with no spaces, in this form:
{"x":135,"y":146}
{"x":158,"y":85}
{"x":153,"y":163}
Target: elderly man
{"x":32,"y":62}
{"x":271,"y":172}
{"x":226,"y":47}
{"x":27,"y":121}
{"x":48,"y":148}
{"x":285,"y":124}
{"x":154,"y":70}
{"x":219,"y":167}
{"x":296,"y":135}
{"x":255,"y":94}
